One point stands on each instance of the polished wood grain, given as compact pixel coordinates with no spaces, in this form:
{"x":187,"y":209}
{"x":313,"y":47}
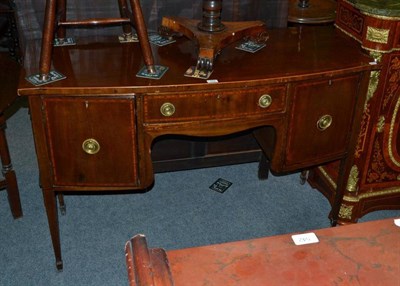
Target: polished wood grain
{"x":279,"y":94}
{"x":312,"y":12}
{"x":104,"y":66}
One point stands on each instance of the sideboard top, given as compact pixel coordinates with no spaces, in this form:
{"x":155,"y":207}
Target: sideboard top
{"x":388,"y":8}
{"x":97,"y":66}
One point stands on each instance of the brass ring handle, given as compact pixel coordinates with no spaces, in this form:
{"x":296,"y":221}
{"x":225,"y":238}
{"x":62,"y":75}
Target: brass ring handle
{"x":167,"y":109}
{"x":324,"y":122}
{"x":91,"y":146}
{"x":265,"y":100}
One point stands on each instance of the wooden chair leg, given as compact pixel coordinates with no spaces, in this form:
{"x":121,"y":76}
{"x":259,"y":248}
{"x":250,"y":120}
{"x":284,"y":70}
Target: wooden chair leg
{"x":143,"y":36}
{"x":62,"y":15}
{"x":9,"y":174}
{"x":123,"y":10}
{"x":47,"y":39}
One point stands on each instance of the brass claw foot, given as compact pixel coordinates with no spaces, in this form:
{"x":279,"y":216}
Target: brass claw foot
{"x":204,"y":64}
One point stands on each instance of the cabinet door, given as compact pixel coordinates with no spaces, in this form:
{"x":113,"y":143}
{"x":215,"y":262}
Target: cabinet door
{"x":92,"y":142}
{"x":321,"y":120}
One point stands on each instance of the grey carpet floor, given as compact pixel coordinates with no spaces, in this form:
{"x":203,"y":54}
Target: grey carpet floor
{"x":179,"y":211}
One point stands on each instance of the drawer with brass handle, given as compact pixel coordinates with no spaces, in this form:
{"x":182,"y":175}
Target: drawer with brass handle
{"x":95,"y":145}
{"x":320,"y":120}
{"x":177,"y":107}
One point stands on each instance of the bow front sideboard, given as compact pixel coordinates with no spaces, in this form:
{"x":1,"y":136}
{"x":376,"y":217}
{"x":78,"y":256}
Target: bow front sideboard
{"x":302,"y":97}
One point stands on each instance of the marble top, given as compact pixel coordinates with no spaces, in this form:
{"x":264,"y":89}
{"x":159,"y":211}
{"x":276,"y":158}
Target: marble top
{"x":388,"y":8}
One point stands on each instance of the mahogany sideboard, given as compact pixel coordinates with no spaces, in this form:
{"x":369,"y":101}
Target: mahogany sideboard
{"x":374,"y":181}
{"x":301,"y":96}
{"x":365,"y":254}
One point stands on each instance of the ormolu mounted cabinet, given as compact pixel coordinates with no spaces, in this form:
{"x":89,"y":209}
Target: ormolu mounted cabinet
{"x":374,"y":181}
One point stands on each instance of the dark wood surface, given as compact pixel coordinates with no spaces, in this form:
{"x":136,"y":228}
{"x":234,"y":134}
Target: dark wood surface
{"x":280,"y":94}
{"x":317,"y":12}
{"x":103,"y":66}
{"x":9,"y":74}
{"x":9,"y":38}
{"x":360,"y":254}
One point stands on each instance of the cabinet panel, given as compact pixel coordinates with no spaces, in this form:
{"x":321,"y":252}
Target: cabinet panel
{"x":320,"y":120}
{"x":92,"y":141}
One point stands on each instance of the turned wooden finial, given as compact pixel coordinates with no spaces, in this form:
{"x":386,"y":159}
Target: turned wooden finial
{"x":211,"y":21}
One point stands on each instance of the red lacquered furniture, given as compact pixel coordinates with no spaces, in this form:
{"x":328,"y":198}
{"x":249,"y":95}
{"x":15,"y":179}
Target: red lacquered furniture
{"x":374,"y":181}
{"x":360,"y":254}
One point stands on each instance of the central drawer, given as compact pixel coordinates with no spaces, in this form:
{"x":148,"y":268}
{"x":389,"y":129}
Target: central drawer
{"x":176,"y":107}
